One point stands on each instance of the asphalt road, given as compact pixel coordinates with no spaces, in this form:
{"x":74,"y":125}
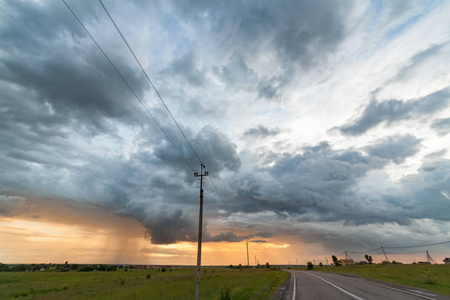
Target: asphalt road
{"x":318,"y":285}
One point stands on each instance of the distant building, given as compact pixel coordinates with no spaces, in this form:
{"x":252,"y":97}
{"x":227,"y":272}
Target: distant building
{"x":347,"y":262}
{"x":447,"y":260}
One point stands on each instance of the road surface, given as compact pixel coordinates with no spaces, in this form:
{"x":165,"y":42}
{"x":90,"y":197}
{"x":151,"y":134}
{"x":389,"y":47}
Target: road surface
{"x":308,"y":285}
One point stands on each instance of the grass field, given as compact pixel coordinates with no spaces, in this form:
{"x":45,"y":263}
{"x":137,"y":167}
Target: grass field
{"x":136,"y":284}
{"x":434,"y":278}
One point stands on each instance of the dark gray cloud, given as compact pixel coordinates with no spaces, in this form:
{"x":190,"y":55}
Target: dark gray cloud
{"x":396,"y":148}
{"x":227,"y":237}
{"x":169,"y":228}
{"x":354,"y":215}
{"x":300,"y":34}
{"x":323,"y":184}
{"x":262,"y":132}
{"x":62,"y":109}
{"x":214,"y":148}
{"x":58,"y":85}
{"x":442,"y":126}
{"x":258,"y":241}
{"x":391,"y":111}
{"x":296,"y":29}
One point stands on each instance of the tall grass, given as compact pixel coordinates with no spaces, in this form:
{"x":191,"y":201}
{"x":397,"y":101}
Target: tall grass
{"x":136,"y":284}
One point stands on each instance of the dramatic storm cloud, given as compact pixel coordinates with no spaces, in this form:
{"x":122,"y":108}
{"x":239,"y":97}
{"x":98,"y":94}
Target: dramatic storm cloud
{"x":320,"y":122}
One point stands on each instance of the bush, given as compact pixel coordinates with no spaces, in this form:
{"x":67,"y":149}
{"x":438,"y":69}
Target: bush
{"x":309,"y":265}
{"x":428,"y":279}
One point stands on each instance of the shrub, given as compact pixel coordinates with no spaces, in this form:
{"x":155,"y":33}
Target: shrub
{"x":310,"y":265}
{"x":428,"y":279}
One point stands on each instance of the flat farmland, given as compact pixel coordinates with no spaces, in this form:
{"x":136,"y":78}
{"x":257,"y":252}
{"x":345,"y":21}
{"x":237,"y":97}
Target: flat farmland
{"x":177,"y":283}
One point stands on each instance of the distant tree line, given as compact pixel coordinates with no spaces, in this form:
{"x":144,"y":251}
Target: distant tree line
{"x":55,"y":267}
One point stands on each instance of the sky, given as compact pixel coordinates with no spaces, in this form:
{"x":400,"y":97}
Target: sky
{"x":324,"y":126}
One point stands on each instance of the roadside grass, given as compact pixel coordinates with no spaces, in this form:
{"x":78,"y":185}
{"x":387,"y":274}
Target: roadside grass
{"x":433,"y":278}
{"x":137,"y":284}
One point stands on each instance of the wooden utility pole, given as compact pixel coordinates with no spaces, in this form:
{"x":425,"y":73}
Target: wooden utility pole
{"x":248,"y":262}
{"x":200,"y":232}
{"x":382,"y":249}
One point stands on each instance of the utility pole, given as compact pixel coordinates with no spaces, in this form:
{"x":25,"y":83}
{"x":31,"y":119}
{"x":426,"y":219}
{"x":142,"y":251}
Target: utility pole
{"x":382,"y":249}
{"x":200,"y":231}
{"x":326,"y":261}
{"x":296,"y":261}
{"x":248,"y":262}
{"x":430,"y":260}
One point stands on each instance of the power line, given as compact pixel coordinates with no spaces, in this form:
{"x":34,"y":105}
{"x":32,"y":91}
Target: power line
{"x":128,"y":85}
{"x":143,"y":105}
{"x":403,"y":247}
{"x":368,"y":251}
{"x":148,"y":78}
{"x":223,"y":201}
{"x":418,"y":245}
{"x":162,"y":101}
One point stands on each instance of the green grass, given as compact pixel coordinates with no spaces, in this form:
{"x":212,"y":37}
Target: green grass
{"x":433,"y":278}
{"x":136,"y":284}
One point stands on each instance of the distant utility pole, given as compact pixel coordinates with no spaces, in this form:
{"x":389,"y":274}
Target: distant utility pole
{"x":248,"y":263}
{"x":326,"y":260}
{"x":382,"y":249}
{"x":296,"y":260}
{"x":200,"y":227}
{"x":430,"y":260}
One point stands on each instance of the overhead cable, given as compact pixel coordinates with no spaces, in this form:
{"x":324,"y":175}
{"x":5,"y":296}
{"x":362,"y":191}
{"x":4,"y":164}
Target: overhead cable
{"x":419,"y":246}
{"x":162,"y":101}
{"x":128,"y":85}
{"x":149,"y":80}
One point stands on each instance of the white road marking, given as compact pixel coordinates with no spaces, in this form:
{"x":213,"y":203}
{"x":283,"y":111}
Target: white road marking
{"x":406,"y":292}
{"x":339,"y":288}
{"x":295,"y":288}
